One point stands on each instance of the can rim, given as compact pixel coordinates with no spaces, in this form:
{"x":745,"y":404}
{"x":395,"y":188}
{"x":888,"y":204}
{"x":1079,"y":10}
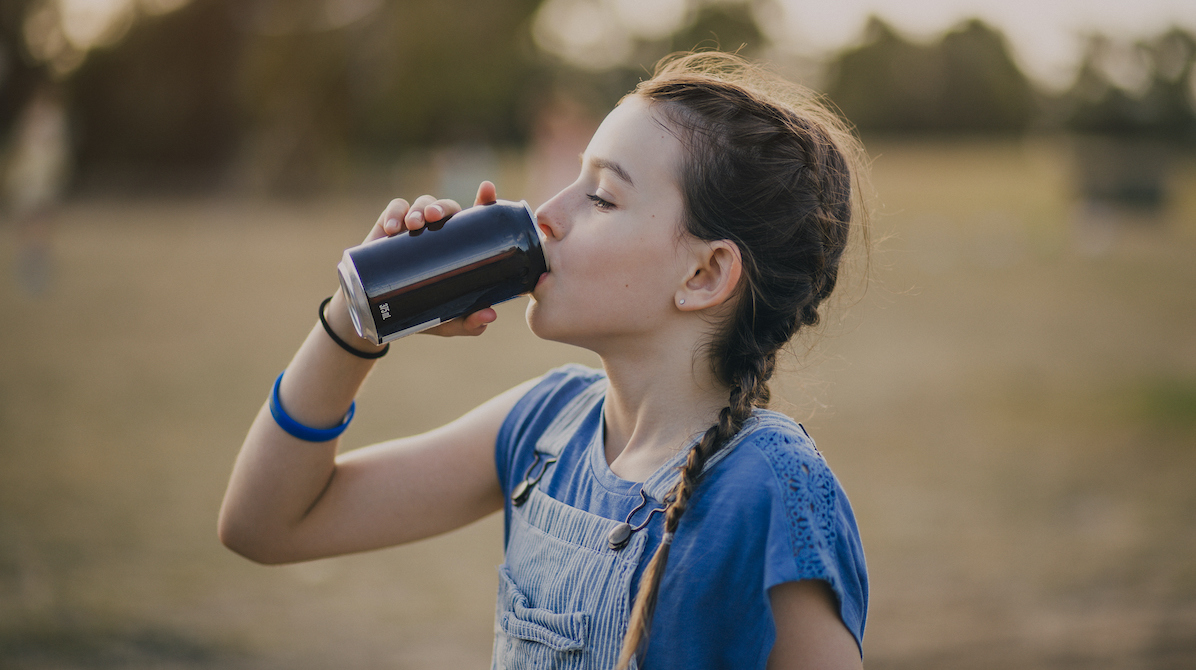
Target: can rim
{"x":538,"y":232}
{"x":359,"y":306}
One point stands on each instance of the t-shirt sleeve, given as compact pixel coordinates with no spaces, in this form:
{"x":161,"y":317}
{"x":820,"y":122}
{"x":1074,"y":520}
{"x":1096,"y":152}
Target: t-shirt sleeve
{"x":813,"y":532}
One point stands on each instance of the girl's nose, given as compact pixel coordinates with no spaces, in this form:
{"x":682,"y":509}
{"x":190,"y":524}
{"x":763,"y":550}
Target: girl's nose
{"x":546,"y":219}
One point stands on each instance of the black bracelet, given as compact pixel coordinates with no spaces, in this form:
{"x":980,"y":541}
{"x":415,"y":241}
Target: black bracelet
{"x":345,"y":345}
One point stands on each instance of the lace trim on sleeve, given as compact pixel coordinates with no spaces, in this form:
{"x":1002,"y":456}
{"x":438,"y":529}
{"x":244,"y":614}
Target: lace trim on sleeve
{"x":810,"y":494}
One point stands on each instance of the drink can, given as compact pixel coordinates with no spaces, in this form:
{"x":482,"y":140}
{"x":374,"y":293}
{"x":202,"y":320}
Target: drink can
{"x":415,"y":280}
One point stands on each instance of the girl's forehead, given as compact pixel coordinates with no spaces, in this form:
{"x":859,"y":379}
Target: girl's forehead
{"x":634,"y":136}
{"x":634,"y":116}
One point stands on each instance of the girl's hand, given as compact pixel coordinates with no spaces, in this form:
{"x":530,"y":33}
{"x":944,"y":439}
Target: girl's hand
{"x":400,"y":217}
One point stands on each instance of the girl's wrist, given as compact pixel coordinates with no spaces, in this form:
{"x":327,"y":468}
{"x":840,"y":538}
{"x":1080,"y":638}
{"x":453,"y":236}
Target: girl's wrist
{"x":339,"y":324}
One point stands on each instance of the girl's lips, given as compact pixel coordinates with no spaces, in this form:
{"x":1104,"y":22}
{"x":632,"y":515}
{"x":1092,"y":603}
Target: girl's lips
{"x":539,"y":283}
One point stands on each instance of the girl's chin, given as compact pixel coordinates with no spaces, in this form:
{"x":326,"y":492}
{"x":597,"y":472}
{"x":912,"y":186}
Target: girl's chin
{"x":541,"y":325}
{"x":533,"y":316}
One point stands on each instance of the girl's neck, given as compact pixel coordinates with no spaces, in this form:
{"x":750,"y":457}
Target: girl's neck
{"x":655,"y":405}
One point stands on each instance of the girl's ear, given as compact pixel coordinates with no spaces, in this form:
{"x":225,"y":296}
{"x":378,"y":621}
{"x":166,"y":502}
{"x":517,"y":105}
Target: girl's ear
{"x":714,"y":272}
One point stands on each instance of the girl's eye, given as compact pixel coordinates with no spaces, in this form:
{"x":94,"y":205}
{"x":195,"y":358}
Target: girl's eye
{"x":601,"y":204}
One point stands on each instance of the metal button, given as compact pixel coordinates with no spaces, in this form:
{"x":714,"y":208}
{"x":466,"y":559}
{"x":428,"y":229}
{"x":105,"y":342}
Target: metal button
{"x":521,"y":493}
{"x":619,"y":536}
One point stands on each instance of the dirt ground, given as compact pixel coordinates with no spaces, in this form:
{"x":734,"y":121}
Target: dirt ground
{"x":1010,"y":405}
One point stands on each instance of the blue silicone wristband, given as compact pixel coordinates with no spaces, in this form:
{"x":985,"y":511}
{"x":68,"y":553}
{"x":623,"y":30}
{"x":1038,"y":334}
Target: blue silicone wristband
{"x":299,"y":430}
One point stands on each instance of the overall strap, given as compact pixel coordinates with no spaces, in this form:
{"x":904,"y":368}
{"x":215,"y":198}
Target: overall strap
{"x":552,"y":442}
{"x":554,"y":439}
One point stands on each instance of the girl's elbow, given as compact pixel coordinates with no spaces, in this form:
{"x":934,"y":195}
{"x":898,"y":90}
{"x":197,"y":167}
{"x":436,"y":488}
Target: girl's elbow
{"x":247,"y":542}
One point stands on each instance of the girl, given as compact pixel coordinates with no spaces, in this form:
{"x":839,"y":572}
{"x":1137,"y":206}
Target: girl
{"x":656,"y":515}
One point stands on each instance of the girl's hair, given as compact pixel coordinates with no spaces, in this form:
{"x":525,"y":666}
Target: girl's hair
{"x":768,"y":167}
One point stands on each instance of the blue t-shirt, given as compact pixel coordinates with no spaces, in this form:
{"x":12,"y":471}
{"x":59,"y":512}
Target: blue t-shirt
{"x":769,"y":511}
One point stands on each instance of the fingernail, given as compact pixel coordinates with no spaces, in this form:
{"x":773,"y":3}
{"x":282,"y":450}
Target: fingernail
{"x":436,"y":210}
{"x":391,"y":224}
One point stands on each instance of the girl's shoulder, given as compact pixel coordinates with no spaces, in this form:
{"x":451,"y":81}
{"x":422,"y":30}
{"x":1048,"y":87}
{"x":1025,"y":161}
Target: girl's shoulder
{"x":555,"y":389}
{"x":772,"y":470}
{"x":539,"y":408}
{"x":813,"y":532}
{"x":773,"y":448}
{"x":793,"y":475}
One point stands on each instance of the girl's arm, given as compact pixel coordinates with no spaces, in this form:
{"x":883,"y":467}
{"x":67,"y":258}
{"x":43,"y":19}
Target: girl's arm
{"x":291,"y":500}
{"x":810,"y":634}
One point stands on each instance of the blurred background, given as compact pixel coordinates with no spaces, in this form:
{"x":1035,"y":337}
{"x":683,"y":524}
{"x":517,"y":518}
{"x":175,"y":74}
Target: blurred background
{"x":1006,"y":385}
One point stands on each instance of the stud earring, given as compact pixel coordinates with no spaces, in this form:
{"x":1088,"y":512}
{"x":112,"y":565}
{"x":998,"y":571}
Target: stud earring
{"x":683,"y":301}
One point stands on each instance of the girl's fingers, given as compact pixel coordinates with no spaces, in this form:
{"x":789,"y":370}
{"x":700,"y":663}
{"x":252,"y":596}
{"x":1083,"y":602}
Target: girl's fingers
{"x":390,"y":221}
{"x":441,"y":209}
{"x":487,"y":194}
{"x":470,"y":324}
{"x":475,"y":324}
{"x":427,"y":209}
{"x":415,"y":216}
{"x":399,"y":216}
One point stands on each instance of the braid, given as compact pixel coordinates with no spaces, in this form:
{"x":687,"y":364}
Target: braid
{"x":748,"y":392}
{"x":768,"y":169}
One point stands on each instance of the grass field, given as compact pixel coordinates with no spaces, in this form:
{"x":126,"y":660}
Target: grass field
{"x":1011,"y":406}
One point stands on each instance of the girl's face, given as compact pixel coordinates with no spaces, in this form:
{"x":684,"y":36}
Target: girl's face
{"x":614,"y":238}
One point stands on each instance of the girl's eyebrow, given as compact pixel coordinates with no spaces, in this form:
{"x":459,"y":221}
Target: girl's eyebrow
{"x":606,"y":164}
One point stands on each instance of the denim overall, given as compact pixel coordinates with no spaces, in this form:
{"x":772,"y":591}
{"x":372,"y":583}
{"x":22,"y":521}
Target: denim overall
{"x":564,"y":595}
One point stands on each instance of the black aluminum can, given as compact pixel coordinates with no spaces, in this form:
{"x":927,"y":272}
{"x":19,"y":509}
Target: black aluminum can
{"x":415,"y":280}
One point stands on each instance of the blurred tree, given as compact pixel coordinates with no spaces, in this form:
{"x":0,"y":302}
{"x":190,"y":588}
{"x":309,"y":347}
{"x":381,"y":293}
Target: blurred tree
{"x":729,"y":25}
{"x":888,"y":83}
{"x":965,"y":82}
{"x":284,"y":89}
{"x":726,"y":26}
{"x":984,"y":90}
{"x":604,"y":35}
{"x":161,"y":103}
{"x":291,"y":91}
{"x":380,"y":78}
{"x":291,"y":83}
{"x":449,"y":70}
{"x":1162,"y":108}
{"x":20,"y":74}
{"x":1127,"y":134}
